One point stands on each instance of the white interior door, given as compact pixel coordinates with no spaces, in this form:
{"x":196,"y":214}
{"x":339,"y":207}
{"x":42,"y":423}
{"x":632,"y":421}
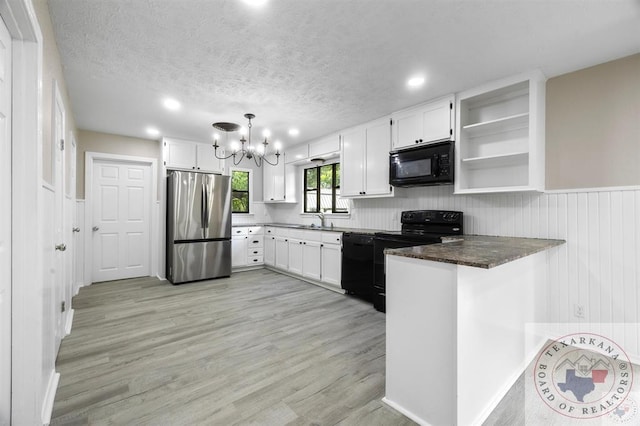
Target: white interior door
{"x":121,"y":206}
{"x":59,"y":296}
{"x":5,"y":224}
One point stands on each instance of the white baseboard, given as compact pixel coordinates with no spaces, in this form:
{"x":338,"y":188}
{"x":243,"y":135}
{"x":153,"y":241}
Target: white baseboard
{"x":308,"y":280}
{"x":67,"y":326}
{"x":405,"y":412}
{"x":49,"y":398}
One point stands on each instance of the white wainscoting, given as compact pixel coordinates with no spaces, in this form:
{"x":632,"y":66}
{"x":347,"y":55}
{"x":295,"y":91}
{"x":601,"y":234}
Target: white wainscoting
{"x":49,"y":321}
{"x":597,"y":268}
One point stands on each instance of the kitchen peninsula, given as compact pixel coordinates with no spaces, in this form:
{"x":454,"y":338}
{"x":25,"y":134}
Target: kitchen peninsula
{"x":456,"y":324}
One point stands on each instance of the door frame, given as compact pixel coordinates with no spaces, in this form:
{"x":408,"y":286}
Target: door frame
{"x":89,"y":160}
{"x":28,"y":405}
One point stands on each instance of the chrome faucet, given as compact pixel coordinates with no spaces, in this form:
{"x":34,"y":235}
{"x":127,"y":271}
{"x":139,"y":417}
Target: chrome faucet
{"x":321,"y":216}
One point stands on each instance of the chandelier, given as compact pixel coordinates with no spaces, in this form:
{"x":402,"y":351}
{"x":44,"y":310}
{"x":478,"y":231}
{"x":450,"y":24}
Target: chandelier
{"x":258,"y":153}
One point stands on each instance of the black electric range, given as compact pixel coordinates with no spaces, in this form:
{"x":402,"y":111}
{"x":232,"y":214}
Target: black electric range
{"x":419,"y":227}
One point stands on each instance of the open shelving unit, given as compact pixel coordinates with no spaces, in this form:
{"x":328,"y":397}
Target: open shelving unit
{"x":500,"y":143}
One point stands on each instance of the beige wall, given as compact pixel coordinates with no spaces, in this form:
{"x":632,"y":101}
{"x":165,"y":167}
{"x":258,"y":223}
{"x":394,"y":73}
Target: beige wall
{"x":51,"y":73}
{"x":89,"y":141}
{"x":593,"y":126}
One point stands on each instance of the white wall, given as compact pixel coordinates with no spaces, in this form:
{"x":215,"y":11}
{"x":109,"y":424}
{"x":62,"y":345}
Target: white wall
{"x":598,"y":267}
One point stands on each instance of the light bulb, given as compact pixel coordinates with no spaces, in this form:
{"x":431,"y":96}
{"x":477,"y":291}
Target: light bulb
{"x":277,"y":145}
{"x":243,"y":131}
{"x":260,"y":149}
{"x":234,"y":146}
{"x":266,"y":133}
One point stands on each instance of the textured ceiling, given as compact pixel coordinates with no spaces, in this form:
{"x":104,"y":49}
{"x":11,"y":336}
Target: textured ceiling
{"x":318,"y":65}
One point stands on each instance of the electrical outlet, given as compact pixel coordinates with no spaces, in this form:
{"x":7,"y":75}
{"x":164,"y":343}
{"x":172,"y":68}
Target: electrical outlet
{"x":578,"y":310}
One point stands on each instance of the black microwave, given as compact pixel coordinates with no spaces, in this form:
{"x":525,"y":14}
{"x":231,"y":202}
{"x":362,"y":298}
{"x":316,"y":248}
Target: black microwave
{"x":423,"y":165}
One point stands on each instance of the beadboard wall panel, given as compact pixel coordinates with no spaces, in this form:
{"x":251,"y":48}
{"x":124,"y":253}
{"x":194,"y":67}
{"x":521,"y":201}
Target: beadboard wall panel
{"x":598,"y":267}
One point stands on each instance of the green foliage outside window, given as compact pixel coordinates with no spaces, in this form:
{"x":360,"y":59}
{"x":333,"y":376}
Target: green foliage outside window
{"x":239,"y":191}
{"x":322,"y":190}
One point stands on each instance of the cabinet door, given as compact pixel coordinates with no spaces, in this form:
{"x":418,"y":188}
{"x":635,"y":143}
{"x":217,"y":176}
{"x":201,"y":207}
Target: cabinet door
{"x":239,"y":251}
{"x":377,"y":159}
{"x":295,"y":257}
{"x":206,"y":160}
{"x":311,"y":260}
{"x":331,"y":263}
{"x":274,"y":182}
{"x":437,"y":120}
{"x":407,"y":128}
{"x":180,"y":155}
{"x":282,"y":253}
{"x":352,"y":163}
{"x":269,"y":250}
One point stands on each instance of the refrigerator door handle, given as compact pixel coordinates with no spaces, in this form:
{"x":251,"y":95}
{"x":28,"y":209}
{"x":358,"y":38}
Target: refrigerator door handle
{"x":206,"y":205}
{"x":203,"y":207}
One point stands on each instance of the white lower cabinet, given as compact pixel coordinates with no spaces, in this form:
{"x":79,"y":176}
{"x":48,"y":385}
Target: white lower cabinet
{"x":295,"y":257}
{"x":314,"y":255}
{"x":282,"y":253}
{"x":269,"y":250}
{"x":311,"y":260}
{"x":331,"y":261}
{"x":239,"y":244}
{"x":247,"y":246}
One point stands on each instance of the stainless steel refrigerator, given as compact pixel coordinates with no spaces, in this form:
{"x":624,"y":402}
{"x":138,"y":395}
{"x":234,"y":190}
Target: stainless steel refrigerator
{"x":198,"y":226}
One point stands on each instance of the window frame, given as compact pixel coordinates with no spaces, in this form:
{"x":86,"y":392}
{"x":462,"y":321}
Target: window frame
{"x":249,"y":190}
{"x":334,"y":187}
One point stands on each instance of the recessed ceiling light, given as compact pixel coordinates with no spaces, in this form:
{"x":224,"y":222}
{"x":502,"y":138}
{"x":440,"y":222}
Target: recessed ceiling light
{"x":255,"y":3}
{"x":416,"y":81}
{"x":171,"y":104}
{"x":152,"y":131}
{"x":294,"y":132}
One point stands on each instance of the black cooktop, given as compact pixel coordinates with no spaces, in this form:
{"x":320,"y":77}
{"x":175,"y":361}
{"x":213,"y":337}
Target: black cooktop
{"x":427,"y":225}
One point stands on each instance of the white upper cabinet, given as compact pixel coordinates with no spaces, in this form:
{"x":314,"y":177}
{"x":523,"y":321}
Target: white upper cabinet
{"x":206,"y":159}
{"x":500,"y":144}
{"x":297,"y":154}
{"x":189,"y":155}
{"x":273,"y":180}
{"x":325,"y":147}
{"x":279,"y":182}
{"x":429,"y":122}
{"x":364,"y":162}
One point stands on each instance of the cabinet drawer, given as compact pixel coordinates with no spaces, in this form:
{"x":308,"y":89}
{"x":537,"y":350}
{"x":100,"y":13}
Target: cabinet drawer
{"x":256,"y":241}
{"x":256,"y":230}
{"x":255,"y":251}
{"x":239,"y":231}
{"x":255,"y":260}
{"x":332,"y":237}
{"x":269,"y":230}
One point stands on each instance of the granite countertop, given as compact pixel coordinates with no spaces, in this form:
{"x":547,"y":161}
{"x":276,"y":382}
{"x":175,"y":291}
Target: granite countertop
{"x":477,"y":250}
{"x":312,"y":228}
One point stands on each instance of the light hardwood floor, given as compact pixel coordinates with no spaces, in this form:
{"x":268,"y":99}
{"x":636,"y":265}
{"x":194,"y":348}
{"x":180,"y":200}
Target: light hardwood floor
{"x":257,"y":348}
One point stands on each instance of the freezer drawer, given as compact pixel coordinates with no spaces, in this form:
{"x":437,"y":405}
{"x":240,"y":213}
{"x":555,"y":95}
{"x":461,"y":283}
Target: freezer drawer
{"x":194,"y":261}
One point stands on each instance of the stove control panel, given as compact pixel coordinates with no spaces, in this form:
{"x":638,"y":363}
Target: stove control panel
{"x":431,"y":216}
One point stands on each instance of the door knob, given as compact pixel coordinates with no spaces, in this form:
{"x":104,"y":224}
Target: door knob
{"x":95,"y":228}
{"x":76,"y":229}
{"x":61,"y":247}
